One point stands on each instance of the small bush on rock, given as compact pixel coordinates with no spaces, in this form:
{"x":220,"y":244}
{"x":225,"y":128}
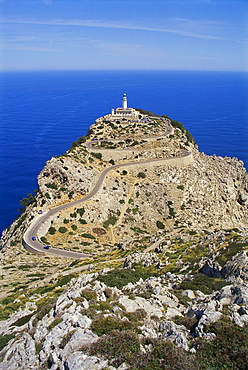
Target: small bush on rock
{"x":4,"y":339}
{"x":137,"y":315}
{"x":117,"y":345}
{"x":160,"y":225}
{"x":203,"y":283}
{"x":103,"y":325}
{"x":62,"y":229}
{"x":229,"y":350}
{"x":90,"y":295}
{"x":164,"y":355}
{"x":121,"y":277}
{"x":22,"y":320}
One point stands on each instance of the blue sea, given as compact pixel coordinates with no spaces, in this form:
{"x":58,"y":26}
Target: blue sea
{"x":42,"y":113}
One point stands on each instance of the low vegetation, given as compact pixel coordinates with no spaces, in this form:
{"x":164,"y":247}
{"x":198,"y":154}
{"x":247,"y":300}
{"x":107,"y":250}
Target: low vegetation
{"x":121,"y":277}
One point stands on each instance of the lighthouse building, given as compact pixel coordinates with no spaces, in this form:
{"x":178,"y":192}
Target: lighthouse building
{"x":124,"y":111}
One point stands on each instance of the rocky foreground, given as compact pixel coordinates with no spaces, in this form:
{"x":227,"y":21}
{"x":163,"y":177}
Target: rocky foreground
{"x":165,"y":285}
{"x":134,"y":318}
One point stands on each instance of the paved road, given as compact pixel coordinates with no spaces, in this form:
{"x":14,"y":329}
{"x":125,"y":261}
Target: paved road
{"x":37,"y":247}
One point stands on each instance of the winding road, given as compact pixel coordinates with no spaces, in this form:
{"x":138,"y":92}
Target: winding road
{"x":31,"y":241}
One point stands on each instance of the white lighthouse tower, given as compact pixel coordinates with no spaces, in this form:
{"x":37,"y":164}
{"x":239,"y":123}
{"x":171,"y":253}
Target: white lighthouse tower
{"x":124,"y":112}
{"x":124,"y":101}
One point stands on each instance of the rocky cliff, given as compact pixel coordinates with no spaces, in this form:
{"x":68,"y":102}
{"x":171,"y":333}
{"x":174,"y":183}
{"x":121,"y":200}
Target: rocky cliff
{"x":167,"y":257}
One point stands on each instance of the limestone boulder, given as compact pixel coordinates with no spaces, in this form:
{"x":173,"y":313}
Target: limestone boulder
{"x":80,"y":361}
{"x":22,"y":355}
{"x":177,"y":334}
{"x":131,"y":305}
{"x":237,"y":268}
{"x":79,"y":339}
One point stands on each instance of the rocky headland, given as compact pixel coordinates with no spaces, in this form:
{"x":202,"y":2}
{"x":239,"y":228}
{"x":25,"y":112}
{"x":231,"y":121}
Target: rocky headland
{"x":165,"y":280}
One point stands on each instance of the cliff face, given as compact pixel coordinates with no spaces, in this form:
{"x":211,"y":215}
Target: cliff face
{"x":169,"y":225}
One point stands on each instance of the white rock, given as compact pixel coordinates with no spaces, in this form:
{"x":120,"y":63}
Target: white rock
{"x":172,"y":312}
{"x":21,"y":355}
{"x":148,"y":331}
{"x":79,"y":361}
{"x":132,"y":305}
{"x":189,"y":293}
{"x":175,"y":333}
{"x":207,"y":318}
{"x":80,"y":338}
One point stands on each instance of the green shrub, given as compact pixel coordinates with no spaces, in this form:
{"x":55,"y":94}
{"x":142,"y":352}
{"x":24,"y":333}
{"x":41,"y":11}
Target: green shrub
{"x":81,"y":211}
{"x":230,"y":250}
{"x":64,"y":280}
{"x":118,"y":345}
{"x":164,"y":355}
{"x":66,"y":339}
{"x":138,"y":230}
{"x":62,"y":229}
{"x":97,"y":155}
{"x":229,"y":350}
{"x":105,"y":306}
{"x":23,"y":320}
{"x":90,"y":295}
{"x":179,"y":125}
{"x":180,"y":187}
{"x":160,"y":225}
{"x":203,"y":283}
{"x":137,"y":315}
{"x":103,"y":325}
{"x":79,"y":141}
{"x":141,"y":175}
{"x":172,"y":212}
{"x":38,"y":348}
{"x":4,"y":339}
{"x":54,"y":323}
{"x":135,"y":142}
{"x":51,"y":186}
{"x":26,"y":201}
{"x":110,"y":221}
{"x":121,"y":277}
{"x":89,"y":236}
{"x":74,"y":227}
{"x":43,"y":239}
{"x":146,"y":112}
{"x":51,"y":230}
{"x":43,"y":308}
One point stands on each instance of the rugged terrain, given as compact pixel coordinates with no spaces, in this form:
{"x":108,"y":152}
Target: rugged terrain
{"x":165,"y":281}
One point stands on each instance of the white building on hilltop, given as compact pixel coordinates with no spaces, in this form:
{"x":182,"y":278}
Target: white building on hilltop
{"x":124,"y":111}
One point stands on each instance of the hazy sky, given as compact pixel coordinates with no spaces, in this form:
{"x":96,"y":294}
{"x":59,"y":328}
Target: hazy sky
{"x":130,"y":34}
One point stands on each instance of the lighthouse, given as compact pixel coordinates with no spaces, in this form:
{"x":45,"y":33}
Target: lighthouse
{"x":124,"y":112}
{"x":124,"y":101}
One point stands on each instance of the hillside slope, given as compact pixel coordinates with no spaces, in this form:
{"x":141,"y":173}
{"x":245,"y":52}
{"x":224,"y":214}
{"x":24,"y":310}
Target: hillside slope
{"x":167,"y":257}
